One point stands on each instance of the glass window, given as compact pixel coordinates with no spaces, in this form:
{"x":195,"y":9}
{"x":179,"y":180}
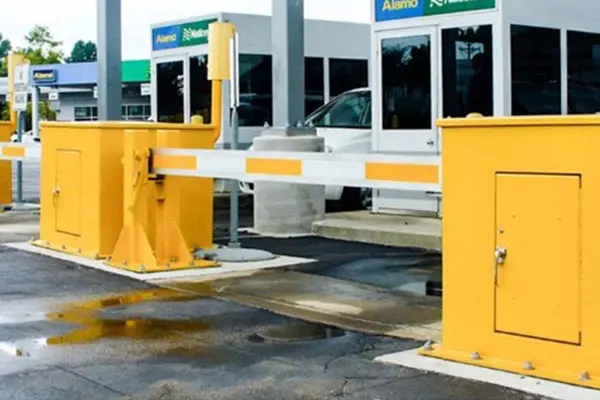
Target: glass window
{"x":89,"y":113}
{"x":83,"y":113}
{"x":200,"y":88}
{"x":535,"y":66}
{"x":256,"y":90}
{"x":169,"y":85}
{"x":315,"y":84}
{"x":583,"y":68}
{"x":350,"y":110}
{"x":346,"y":75}
{"x":406,"y":82}
{"x":468,"y":71}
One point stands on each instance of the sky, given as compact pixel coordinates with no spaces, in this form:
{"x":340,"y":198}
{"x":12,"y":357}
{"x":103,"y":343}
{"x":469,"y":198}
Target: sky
{"x":71,"y":20}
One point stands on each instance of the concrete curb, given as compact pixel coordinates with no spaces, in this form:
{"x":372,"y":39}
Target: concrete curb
{"x":398,"y":231}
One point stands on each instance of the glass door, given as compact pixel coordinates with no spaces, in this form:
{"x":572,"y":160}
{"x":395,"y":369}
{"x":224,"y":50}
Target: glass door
{"x":408,"y":95}
{"x":169,"y":94}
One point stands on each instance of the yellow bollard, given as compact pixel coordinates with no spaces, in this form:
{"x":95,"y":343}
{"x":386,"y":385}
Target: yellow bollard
{"x":219,"y":35}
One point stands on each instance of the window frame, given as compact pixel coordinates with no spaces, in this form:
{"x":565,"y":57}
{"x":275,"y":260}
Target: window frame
{"x":561,"y":64}
{"x":326,"y":108}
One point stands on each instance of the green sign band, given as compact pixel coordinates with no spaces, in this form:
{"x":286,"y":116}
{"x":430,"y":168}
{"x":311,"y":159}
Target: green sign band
{"x":436,"y":7}
{"x":195,"y":33}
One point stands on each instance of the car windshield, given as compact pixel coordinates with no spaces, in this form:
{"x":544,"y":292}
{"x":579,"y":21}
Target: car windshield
{"x":348,"y":110}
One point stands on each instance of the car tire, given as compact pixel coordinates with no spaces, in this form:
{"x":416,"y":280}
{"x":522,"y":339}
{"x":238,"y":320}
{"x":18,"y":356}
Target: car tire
{"x":354,"y":199}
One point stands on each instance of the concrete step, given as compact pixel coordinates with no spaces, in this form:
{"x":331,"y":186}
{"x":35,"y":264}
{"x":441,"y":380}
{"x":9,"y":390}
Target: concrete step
{"x":389,"y":230}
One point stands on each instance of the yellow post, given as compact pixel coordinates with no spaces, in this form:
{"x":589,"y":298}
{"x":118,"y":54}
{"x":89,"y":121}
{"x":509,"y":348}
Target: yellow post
{"x":219,"y":34}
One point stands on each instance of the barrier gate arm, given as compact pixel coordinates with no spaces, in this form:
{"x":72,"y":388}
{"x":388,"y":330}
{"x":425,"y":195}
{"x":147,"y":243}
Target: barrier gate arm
{"x":379,"y":171}
{"x":20,"y":151}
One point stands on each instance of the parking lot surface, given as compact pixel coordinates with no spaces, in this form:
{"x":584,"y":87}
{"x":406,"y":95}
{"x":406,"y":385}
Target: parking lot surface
{"x":68,"y":332}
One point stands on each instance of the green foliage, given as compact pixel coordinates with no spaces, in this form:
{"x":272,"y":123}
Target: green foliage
{"x":83,"y":52}
{"x":46,"y":113}
{"x":41,"y":47}
{"x":5,"y":48}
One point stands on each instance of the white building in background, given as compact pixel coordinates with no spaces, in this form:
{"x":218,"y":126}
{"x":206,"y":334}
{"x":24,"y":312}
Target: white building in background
{"x":337,"y":60}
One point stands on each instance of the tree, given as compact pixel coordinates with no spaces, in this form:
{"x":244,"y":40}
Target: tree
{"x":41,"y":47}
{"x":46,"y":113}
{"x":83,"y":52}
{"x":5,"y":48}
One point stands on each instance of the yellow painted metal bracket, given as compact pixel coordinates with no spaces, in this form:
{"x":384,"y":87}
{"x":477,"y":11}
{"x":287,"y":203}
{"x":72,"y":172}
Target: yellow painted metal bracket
{"x":135,"y":249}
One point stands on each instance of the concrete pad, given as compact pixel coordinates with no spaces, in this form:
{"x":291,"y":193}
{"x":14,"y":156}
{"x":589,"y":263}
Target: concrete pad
{"x":389,"y":230}
{"x":535,"y":386}
{"x":226,"y":269}
{"x":334,"y":302}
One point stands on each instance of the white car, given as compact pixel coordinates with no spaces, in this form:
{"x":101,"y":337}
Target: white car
{"x":26,"y":137}
{"x":345,"y":123}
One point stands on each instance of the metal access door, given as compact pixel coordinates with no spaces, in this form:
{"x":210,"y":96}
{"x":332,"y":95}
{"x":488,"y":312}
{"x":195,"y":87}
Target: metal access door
{"x":537,"y":271}
{"x":407,"y":96}
{"x":170,"y":97}
{"x":67,"y":192}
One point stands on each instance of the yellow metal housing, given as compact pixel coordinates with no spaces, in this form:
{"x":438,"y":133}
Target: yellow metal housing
{"x":158,"y":235}
{"x":81,"y":190}
{"x":82,"y":180}
{"x":520,"y":233}
{"x":6,"y":130}
{"x":193,"y":196}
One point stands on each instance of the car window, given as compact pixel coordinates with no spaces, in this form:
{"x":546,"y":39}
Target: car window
{"x":349,"y":110}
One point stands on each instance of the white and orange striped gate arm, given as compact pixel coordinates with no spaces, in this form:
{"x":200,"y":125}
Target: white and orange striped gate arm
{"x":20,"y":151}
{"x":379,"y":171}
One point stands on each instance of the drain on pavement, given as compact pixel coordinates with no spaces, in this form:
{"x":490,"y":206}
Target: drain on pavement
{"x":297,"y":332}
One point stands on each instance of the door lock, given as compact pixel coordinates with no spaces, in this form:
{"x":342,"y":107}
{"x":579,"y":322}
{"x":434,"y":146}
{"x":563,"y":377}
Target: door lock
{"x":499,"y":259}
{"x":431,"y":142}
{"x":56,"y":192}
{"x":500,"y":255}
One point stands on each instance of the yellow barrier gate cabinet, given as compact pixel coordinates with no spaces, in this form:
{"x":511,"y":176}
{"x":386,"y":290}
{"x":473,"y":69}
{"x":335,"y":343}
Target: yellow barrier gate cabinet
{"x":82,"y":184}
{"x":520,"y":256}
{"x":6,"y":131}
{"x":182,"y":209}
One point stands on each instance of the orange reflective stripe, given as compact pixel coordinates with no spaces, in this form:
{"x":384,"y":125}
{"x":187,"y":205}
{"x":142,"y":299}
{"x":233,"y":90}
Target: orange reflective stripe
{"x":272,"y":166}
{"x":174,"y":162}
{"x":402,"y":172}
{"x":10,"y":151}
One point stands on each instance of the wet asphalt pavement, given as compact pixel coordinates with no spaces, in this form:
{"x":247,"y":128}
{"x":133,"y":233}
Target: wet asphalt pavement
{"x":177,"y":347}
{"x":69,"y":332}
{"x":137,"y":342}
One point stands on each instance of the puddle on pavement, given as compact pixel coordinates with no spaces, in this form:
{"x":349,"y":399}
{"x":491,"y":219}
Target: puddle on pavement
{"x":99,"y":319}
{"x":419,"y":274}
{"x":94,"y":326}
